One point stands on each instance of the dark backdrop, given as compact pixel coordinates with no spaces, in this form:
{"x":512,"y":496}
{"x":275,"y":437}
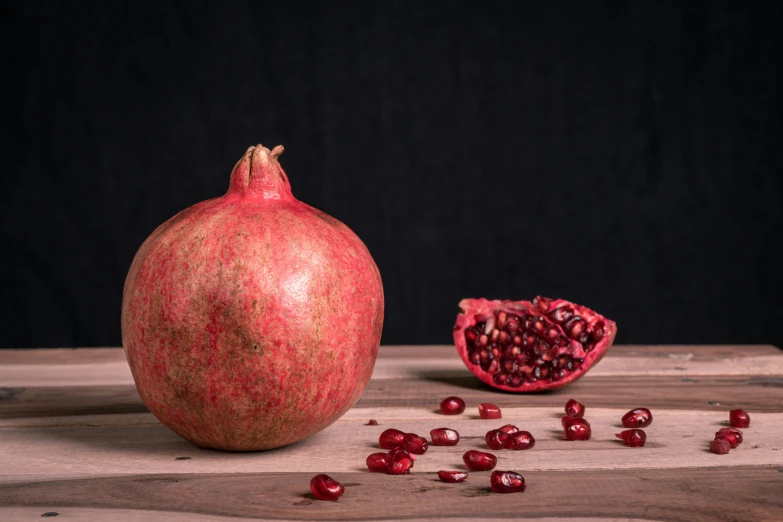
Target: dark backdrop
{"x":624,"y":155}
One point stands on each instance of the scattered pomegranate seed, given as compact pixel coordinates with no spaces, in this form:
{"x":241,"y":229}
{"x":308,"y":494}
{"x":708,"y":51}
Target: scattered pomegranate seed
{"x":496,"y":439}
{"x":325,"y":487}
{"x":507,"y":482}
{"x":577,"y":429}
{"x":378,"y":462}
{"x":732,"y":435}
{"x":720,"y":446}
{"x":739,"y":419}
{"x":444,"y":437}
{"x":452,"y":406}
{"x":415,"y":444}
{"x":372,"y":422}
{"x":401,"y":462}
{"x":634,"y":438}
{"x":452,"y":476}
{"x":479,"y":461}
{"x":509,"y":428}
{"x":575,"y":409}
{"x":520,"y":440}
{"x":637,"y":418}
{"x":391,"y":439}
{"x":489,"y":411}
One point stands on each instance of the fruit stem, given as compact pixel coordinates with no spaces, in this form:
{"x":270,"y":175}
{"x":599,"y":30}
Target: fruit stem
{"x":258,"y":174}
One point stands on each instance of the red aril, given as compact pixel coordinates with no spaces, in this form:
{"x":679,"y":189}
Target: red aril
{"x":391,"y":439}
{"x":507,"y":482}
{"x":739,"y":419}
{"x":509,"y":428}
{"x":401,"y":462}
{"x":372,"y":422}
{"x":378,"y":462}
{"x":414,"y":444}
{"x":479,"y":461}
{"x":634,"y":438}
{"x":575,"y":409}
{"x":520,"y":440}
{"x":637,"y":418}
{"x":325,"y":487}
{"x":732,"y":435}
{"x":524,"y":346}
{"x":452,"y":406}
{"x":252,"y":320}
{"x":489,"y":411}
{"x":496,"y":439}
{"x":444,"y":437}
{"x":720,"y":446}
{"x":577,"y":429}
{"x":452,"y":476}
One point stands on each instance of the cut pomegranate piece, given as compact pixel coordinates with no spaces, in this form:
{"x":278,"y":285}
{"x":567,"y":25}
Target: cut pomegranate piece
{"x":524,"y":346}
{"x":415,"y":444}
{"x":444,"y":437}
{"x":325,"y":487}
{"x":391,"y":439}
{"x":732,"y":435}
{"x":507,"y":482}
{"x":479,"y":461}
{"x":739,"y":419}
{"x":496,"y":439}
{"x":378,"y":462}
{"x":720,"y":446}
{"x":489,"y":411}
{"x":634,"y":438}
{"x":637,"y":418}
{"x":452,"y":476}
{"x":452,"y":406}
{"x":520,"y":440}
{"x":577,"y":429}
{"x":575,"y":409}
{"x":401,"y":462}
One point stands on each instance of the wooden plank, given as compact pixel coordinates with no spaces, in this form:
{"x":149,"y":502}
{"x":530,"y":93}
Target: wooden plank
{"x":753,"y":393}
{"x":676,"y":439}
{"x":745,"y":493}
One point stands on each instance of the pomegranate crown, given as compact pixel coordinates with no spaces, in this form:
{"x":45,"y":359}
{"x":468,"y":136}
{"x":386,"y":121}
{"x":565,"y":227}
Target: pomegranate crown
{"x":258,"y":174}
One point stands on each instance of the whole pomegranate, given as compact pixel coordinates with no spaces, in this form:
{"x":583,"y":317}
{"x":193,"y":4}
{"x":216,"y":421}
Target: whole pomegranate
{"x":523,"y":346}
{"x":252,"y":320}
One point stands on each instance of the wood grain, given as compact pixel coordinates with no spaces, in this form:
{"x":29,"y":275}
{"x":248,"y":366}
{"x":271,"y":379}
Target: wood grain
{"x":691,"y":494}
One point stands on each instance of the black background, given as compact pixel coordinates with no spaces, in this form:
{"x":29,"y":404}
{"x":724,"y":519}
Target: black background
{"x":624,"y":155}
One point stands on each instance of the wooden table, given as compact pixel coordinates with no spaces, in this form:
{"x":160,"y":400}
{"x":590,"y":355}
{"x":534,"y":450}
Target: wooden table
{"x":75,"y":439}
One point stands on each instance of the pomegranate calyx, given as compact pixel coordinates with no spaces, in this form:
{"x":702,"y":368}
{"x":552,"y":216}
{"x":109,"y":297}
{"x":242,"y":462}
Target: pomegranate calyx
{"x":258,"y":175}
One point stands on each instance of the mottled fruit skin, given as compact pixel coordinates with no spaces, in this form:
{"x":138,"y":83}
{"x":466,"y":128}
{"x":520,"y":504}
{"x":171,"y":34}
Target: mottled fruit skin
{"x":252,"y":320}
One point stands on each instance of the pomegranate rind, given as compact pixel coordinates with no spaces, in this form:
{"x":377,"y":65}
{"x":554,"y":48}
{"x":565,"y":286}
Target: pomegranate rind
{"x":480,"y":307}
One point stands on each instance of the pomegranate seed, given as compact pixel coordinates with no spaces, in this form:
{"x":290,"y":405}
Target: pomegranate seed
{"x":720,"y":446}
{"x":401,"y":462}
{"x":452,"y":406}
{"x":372,"y":422}
{"x":325,"y":487}
{"x":412,"y":443}
{"x":637,"y":418}
{"x":577,"y":429}
{"x":521,"y":440}
{"x":391,"y":439}
{"x":507,"y":482}
{"x":452,"y":476}
{"x":378,"y":462}
{"x":565,"y":420}
{"x":489,"y":411}
{"x":739,"y":419}
{"x":575,"y":409}
{"x":444,"y":437}
{"x":732,"y":435}
{"x":479,"y":461}
{"x":509,"y":428}
{"x":634,"y":438}
{"x":496,"y":439}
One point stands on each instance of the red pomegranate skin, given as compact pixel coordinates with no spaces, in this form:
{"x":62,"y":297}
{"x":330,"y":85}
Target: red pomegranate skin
{"x":252,"y":320}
